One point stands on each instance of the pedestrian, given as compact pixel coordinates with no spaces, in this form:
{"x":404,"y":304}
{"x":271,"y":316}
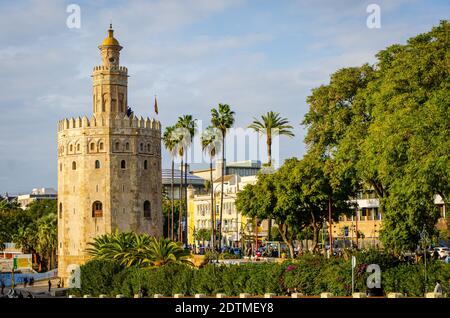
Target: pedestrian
{"x":438,"y":287}
{"x":2,"y":285}
{"x":49,"y":285}
{"x":62,"y":283}
{"x":25,"y":282}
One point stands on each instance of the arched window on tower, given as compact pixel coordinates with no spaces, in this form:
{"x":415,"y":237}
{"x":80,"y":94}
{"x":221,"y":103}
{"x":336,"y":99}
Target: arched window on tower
{"x":127,"y":146}
{"x":117,"y":146}
{"x":70,"y":148}
{"x":92,"y":146}
{"x":147,"y":210}
{"x":78,"y":147}
{"x":145,"y":165}
{"x":101,"y":146}
{"x":123,"y":164}
{"x":142,"y":147}
{"x":97,"y":164}
{"x":60,"y":210}
{"x":148,"y":148}
{"x":97,"y":209}
{"x":74,"y":165}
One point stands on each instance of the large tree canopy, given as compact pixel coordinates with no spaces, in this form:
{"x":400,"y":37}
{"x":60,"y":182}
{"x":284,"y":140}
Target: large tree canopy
{"x":387,"y":127}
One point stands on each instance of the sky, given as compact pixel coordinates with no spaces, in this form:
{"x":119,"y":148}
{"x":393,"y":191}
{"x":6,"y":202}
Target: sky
{"x":255,"y":55}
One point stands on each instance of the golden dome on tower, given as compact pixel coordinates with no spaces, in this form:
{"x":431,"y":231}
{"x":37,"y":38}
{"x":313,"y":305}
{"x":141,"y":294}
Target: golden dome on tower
{"x":110,"y":40}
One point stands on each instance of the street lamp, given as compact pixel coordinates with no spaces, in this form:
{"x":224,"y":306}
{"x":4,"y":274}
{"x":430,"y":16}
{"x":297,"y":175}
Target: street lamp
{"x":424,"y":242}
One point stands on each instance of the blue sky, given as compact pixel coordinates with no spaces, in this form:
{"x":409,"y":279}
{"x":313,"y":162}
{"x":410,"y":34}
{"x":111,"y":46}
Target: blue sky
{"x":254,"y":55}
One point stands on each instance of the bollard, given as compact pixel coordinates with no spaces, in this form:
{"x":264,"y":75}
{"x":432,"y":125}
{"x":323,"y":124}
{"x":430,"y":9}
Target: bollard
{"x":296,"y":295}
{"x":434,"y":295}
{"x":120,"y":296}
{"x":72,"y":296}
{"x":102,"y":296}
{"x":158,"y":296}
{"x":326,"y":295}
{"x":244,"y":295}
{"x":200,"y":296}
{"x":359,"y":295}
{"x":395,"y":295}
{"x":86,"y":296}
{"x":220,"y":295}
{"x":178,"y":296}
{"x":269,"y":295}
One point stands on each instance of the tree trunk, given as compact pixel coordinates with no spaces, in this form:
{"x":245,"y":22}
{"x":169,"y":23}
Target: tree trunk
{"x":172,"y":203}
{"x":283,"y":232}
{"x":269,"y":156}
{"x":185,"y":238}
{"x":213,"y":216}
{"x":180,"y":216}
{"x":221,"y":192}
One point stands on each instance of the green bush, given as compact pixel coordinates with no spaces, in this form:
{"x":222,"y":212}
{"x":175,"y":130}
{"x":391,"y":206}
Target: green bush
{"x":310,"y":274}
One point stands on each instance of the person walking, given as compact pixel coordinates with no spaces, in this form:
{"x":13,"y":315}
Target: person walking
{"x":2,"y":285}
{"x":438,"y":288}
{"x":49,"y":285}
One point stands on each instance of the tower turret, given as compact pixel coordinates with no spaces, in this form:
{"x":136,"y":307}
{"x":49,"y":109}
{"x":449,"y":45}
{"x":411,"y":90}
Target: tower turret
{"x":110,"y":80}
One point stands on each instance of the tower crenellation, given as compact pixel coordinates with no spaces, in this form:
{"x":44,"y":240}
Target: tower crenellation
{"x":109,"y":166}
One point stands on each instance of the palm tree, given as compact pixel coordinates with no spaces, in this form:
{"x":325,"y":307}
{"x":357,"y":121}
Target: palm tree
{"x":271,"y":124}
{"x":210,"y":143}
{"x":133,"y":249}
{"x":188,"y":126}
{"x":222,"y":119}
{"x":48,"y":238}
{"x":170,"y":143}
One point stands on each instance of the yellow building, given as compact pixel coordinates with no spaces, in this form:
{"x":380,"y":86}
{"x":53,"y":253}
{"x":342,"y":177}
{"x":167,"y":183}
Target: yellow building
{"x":109,"y":166}
{"x":236,"y":227}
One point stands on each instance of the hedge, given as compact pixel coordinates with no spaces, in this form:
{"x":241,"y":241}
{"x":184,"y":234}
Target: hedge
{"x":309,"y":274}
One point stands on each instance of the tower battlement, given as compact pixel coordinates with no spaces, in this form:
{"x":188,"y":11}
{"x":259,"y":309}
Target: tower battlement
{"x":146,"y":124}
{"x":121,"y":69}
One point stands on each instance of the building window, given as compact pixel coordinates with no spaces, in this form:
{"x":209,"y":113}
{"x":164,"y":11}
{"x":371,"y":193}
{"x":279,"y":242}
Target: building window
{"x":148,"y":147}
{"x":60,"y":167}
{"x":60,"y":210}
{"x":123,"y":164}
{"x":147,"y":210}
{"x":97,"y":209}
{"x":74,"y":165}
{"x":78,"y":147}
{"x":127,"y":146}
{"x":117,"y":146}
{"x":97,"y":164}
{"x":145,"y":164}
{"x":101,"y":146}
{"x":142,"y":147}
{"x":92,"y":146}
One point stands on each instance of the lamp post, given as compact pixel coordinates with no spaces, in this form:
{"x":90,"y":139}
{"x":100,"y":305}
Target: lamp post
{"x":424,"y":242}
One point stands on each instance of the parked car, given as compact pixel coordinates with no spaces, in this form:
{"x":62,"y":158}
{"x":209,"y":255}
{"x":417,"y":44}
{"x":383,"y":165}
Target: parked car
{"x":442,"y":251}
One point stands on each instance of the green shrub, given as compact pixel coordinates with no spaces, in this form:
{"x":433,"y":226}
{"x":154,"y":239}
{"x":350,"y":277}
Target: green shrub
{"x":97,"y":277}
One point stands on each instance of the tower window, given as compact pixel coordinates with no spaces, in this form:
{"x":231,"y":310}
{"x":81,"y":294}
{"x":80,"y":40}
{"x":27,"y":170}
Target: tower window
{"x":60,"y":210}
{"x":92,"y":146}
{"x":127,"y":146}
{"x":74,"y":165}
{"x":123,"y":164}
{"x":60,"y":167}
{"x":71,"y":148}
{"x":147,"y":210}
{"x":142,"y":147}
{"x":78,"y":147}
{"x":97,"y":164}
{"x":148,"y":147}
{"x":97,"y":209}
{"x":101,"y":146}
{"x":117,"y":146}
{"x":145,"y":164}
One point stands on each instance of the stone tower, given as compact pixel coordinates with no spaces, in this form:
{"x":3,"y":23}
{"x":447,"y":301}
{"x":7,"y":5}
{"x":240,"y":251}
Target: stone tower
{"x":109,"y":167}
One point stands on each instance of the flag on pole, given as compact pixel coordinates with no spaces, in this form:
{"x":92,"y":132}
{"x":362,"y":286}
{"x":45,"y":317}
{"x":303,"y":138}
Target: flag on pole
{"x":156,"y":106}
